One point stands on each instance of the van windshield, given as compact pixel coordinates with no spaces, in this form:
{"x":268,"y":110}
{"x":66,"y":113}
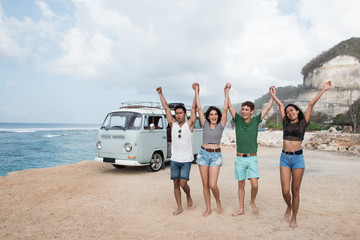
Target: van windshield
{"x":122,"y":121}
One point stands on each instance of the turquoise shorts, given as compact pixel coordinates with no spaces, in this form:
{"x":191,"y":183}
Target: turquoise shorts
{"x":246,"y":164}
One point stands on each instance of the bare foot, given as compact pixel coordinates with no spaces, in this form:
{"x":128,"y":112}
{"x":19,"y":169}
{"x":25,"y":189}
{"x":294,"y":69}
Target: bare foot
{"x":293,"y":224}
{"x":206,"y":213}
{"x":254,"y":208}
{"x":219,"y":208}
{"x":177,"y":211}
{"x":189,"y":201}
{"x":287,"y":213}
{"x":237,"y":213}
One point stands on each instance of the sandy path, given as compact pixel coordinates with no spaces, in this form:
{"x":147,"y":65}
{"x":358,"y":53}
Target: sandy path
{"x":92,"y":200}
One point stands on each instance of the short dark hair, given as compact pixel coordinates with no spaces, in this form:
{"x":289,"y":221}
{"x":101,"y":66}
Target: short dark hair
{"x":180,"y":106}
{"x":300,"y":115}
{"x":208,"y":113}
{"x":251,"y":105}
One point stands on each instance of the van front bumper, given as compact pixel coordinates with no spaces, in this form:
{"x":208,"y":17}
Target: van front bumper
{"x":120,"y":162}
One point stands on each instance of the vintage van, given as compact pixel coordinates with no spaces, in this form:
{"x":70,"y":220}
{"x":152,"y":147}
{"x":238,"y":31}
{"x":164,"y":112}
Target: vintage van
{"x":138,"y":134}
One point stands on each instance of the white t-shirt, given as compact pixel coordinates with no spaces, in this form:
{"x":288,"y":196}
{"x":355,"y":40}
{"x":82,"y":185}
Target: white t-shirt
{"x":181,"y":147}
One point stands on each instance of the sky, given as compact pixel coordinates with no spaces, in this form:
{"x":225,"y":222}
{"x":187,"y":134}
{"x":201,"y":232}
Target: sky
{"x":73,"y":61}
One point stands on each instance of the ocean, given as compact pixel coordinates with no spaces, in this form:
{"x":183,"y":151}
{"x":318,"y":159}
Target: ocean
{"x":42,"y":145}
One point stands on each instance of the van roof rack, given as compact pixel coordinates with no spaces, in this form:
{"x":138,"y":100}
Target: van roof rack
{"x":173,"y":105}
{"x":140,"y":104}
{"x":145,"y":104}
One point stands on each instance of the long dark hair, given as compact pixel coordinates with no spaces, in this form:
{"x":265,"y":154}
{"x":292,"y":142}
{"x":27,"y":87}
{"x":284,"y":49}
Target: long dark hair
{"x":300,"y":115}
{"x":208,"y":113}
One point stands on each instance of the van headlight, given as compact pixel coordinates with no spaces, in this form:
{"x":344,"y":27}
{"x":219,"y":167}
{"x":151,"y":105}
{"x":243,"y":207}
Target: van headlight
{"x":98,"y":145}
{"x":128,"y":147}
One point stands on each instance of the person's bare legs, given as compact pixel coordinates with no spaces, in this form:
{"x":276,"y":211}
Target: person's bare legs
{"x":241,"y":193}
{"x":254,"y":191}
{"x":186,"y":188}
{"x":204,"y":173}
{"x":213,"y":179}
{"x":177,"y":194}
{"x":285,"y":178}
{"x":297,"y":175}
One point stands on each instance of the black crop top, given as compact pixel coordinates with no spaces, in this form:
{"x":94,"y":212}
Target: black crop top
{"x":295,"y":131}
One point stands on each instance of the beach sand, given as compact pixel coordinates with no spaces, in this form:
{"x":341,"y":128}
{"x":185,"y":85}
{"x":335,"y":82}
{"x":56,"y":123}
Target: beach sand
{"x":91,"y":200}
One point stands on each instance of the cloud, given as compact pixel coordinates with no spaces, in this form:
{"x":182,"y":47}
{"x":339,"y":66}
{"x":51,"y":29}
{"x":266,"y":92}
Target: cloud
{"x":10,"y":83}
{"x":45,"y":9}
{"x":329,"y":22}
{"x":139,"y":45}
{"x":84,"y":54}
{"x":8,"y":46}
{"x":268,"y":41}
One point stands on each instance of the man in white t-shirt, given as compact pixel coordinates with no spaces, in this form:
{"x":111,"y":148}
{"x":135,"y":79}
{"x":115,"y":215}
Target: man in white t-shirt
{"x":181,"y":149}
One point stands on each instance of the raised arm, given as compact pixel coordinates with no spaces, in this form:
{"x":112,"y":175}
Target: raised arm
{"x":196,"y":88}
{"x":268,"y":107}
{"x":326,"y":86}
{"x":231,"y":109}
{"x":192,"y":119}
{"x":226,"y":104}
{"x":279,"y":103}
{"x":169,"y":116}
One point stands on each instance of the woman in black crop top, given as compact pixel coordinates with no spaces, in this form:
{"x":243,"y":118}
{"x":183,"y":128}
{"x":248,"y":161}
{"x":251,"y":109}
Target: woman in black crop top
{"x":292,"y":164}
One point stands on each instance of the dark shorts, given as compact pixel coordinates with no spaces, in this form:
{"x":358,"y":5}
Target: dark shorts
{"x":180,"y":170}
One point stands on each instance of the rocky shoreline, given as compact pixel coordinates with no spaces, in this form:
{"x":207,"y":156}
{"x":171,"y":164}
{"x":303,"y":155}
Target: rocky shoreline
{"x":333,"y":140}
{"x":330,"y":140}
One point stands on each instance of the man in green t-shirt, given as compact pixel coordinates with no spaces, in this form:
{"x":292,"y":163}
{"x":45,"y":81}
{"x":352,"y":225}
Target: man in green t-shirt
{"x":246,"y":148}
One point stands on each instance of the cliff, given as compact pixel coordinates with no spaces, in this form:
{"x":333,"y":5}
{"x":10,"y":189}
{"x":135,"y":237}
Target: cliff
{"x":341,"y":65}
{"x":344,"y":73}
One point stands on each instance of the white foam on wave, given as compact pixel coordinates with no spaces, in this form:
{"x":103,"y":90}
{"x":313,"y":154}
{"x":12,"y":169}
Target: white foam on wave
{"x":18,"y":130}
{"x":32,"y":130}
{"x":52,"y":135}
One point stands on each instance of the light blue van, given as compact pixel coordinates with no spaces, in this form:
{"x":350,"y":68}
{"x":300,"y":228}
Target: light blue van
{"x":138,"y":134}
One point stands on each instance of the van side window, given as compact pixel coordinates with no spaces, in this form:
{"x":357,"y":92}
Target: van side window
{"x":156,"y":120}
{"x":159,"y":123}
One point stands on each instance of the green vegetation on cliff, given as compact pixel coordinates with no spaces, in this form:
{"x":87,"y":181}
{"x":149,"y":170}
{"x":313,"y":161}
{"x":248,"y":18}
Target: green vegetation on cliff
{"x":283,"y":93}
{"x":349,"y":47}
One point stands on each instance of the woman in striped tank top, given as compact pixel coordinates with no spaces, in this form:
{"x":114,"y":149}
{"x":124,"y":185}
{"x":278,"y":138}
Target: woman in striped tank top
{"x":209,"y":157}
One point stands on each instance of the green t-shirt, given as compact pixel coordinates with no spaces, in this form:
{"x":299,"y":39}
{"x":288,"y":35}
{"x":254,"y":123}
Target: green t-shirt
{"x":246,"y":134}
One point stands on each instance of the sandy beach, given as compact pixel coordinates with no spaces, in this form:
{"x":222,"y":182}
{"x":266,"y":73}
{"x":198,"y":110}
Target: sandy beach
{"x":91,"y":200}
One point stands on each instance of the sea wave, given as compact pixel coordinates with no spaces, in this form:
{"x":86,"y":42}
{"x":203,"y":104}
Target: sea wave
{"x":52,"y":135}
{"x":32,"y":130}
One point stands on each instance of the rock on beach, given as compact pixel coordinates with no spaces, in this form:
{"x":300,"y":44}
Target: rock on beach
{"x":331,"y":140}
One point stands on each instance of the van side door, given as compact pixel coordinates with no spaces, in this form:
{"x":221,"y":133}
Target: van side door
{"x":153,"y":137}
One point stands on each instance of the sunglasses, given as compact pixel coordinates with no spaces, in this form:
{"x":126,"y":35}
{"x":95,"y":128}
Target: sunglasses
{"x":179,"y":136}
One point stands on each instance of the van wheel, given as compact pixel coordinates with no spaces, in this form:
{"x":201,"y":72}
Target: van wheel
{"x":156,"y":162}
{"x":119,"y":166}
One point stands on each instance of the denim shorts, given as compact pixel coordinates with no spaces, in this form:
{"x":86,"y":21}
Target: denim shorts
{"x":180,"y":170}
{"x":292,"y":161}
{"x":243,"y":164}
{"x":211,"y":159}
